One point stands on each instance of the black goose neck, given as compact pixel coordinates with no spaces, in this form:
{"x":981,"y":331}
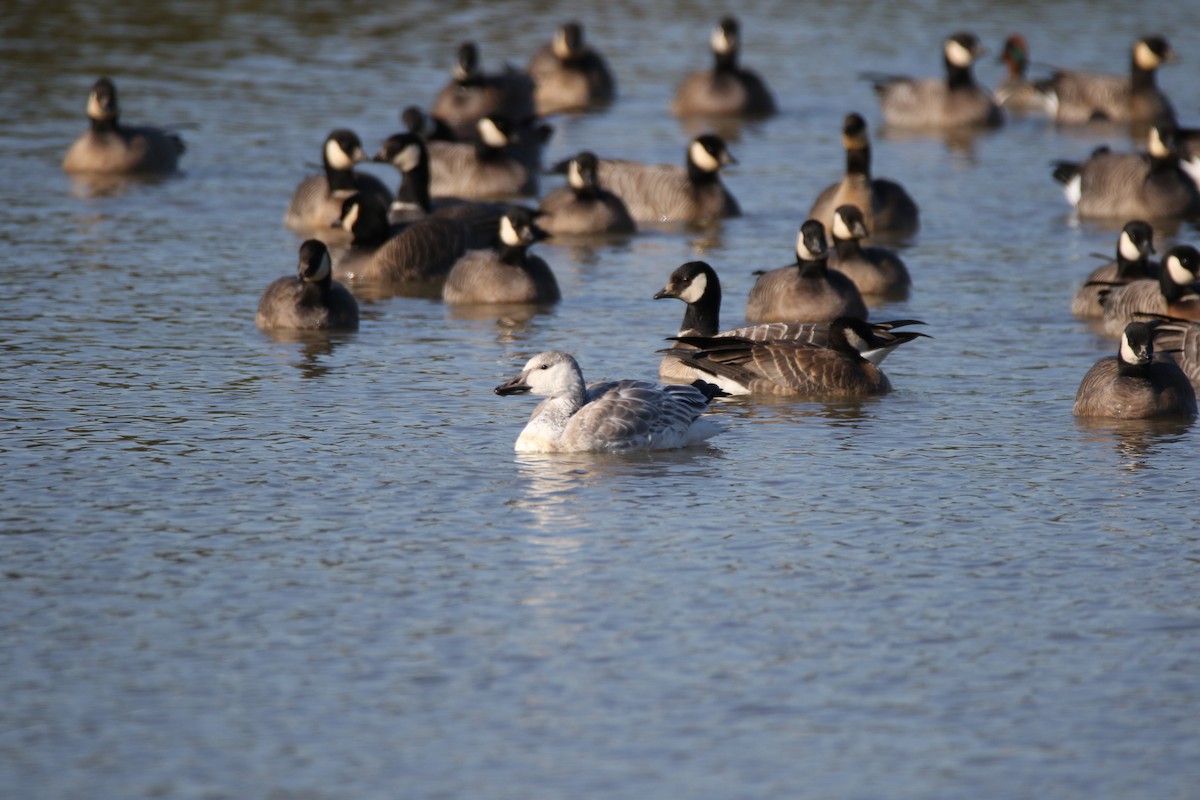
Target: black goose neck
{"x":817,"y":268}
{"x":858,"y":161}
{"x":847,"y":249}
{"x":704,"y":315}
{"x":414,"y":187}
{"x":959,"y":77}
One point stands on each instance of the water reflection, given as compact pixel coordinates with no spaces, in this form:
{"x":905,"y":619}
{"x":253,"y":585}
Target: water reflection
{"x":1134,"y":440}
{"x":315,"y":348}
{"x":90,"y":186}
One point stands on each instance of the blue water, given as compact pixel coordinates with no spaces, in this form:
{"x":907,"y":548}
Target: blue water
{"x":312,"y":567}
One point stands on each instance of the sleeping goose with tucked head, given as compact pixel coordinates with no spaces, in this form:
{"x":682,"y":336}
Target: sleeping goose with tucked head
{"x":610,"y":416}
{"x":1134,"y":384}
{"x":1134,"y":248}
{"x":318,"y":199}
{"x":808,"y":291}
{"x":111,"y":148}
{"x":955,"y":101}
{"x":310,"y":300}
{"x":570,"y":75}
{"x":887,"y":208}
{"x":727,"y":89}
{"x":507,"y":273}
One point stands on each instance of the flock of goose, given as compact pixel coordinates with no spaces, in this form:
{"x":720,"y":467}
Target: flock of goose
{"x":457,"y":229}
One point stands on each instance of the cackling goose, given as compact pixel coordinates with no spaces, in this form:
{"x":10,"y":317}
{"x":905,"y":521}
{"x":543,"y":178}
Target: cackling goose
{"x":583,"y":206}
{"x":318,"y":200}
{"x":109,"y":147}
{"x":1174,"y":294}
{"x":808,"y":291}
{"x":310,"y":300}
{"x":1134,"y":246}
{"x":472,"y":94}
{"x":1134,"y":384}
{"x":507,"y":273}
{"x":727,"y":89}
{"x":569,"y":75}
{"x":876,"y":271}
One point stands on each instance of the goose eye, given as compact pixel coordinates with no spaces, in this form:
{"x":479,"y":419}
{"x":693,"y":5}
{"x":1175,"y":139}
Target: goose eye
{"x":544,"y":366}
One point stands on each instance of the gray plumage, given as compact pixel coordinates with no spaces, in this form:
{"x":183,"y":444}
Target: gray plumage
{"x":317,"y":200}
{"x":955,"y":101}
{"x":808,"y":291}
{"x":482,"y":169}
{"x":727,"y":89}
{"x":1149,"y":185}
{"x":1135,"y":384}
{"x":1132,"y":262}
{"x":656,"y":193}
{"x":570,"y":75}
{"x":1179,"y":340}
{"x":473,"y":94}
{"x":416,"y":255}
{"x":310,"y":300}
{"x":507,"y":273}
{"x":109,"y":147}
{"x":1173,"y":294}
{"x":583,"y":206}
{"x":887,"y":208}
{"x":876,"y":271}
{"x":609,"y":416}
{"x":787,"y":367}
{"x":1076,"y":97}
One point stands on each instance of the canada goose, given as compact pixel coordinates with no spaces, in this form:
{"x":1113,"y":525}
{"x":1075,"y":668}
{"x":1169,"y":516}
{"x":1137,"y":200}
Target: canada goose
{"x":583,"y":206}
{"x":727,"y":89}
{"x":608,"y":416}
{"x":1076,"y":97}
{"x":1149,"y":185}
{"x":482,"y":169}
{"x":668,"y":193}
{"x":569,"y":75}
{"x":408,"y":153}
{"x":473,"y":94}
{"x":507,"y":273}
{"x":875,"y":270}
{"x":318,"y":199}
{"x":417,"y":254}
{"x":808,"y":291}
{"x":310,"y":300}
{"x":109,"y":147}
{"x":696,"y":284}
{"x":1179,"y":340}
{"x":1174,"y":294}
{"x":935,"y":103}
{"x":1134,"y":384}
{"x":793,"y":368}
{"x":887,"y":208}
{"x":1134,"y":246}
{"x":1016,"y":93}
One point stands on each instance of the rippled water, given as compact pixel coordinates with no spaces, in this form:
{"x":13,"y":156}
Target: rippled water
{"x":239,"y":566}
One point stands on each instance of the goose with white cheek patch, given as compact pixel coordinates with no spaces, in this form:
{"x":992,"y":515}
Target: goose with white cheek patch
{"x":696,"y":284}
{"x":111,"y":148}
{"x":583,"y":206}
{"x":609,"y":416}
{"x":658,"y":193}
{"x":1132,"y":263}
{"x":1151,"y":185}
{"x":570,"y":75}
{"x":508,"y":273}
{"x":954,"y":102}
{"x":1134,"y":384}
{"x":318,"y":199}
{"x":888,"y":209}
{"x":728,"y":89}
{"x":792,"y":368}
{"x":310,"y":300}
{"x":808,"y":291}
{"x":876,"y":271}
{"x":1174,"y":294}
{"x":482,"y":169}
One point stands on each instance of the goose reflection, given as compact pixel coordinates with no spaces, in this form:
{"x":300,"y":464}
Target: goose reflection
{"x":1137,"y":442}
{"x":315,"y":348}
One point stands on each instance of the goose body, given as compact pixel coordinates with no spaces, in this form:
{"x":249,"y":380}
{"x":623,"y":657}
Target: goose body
{"x":888,"y":210}
{"x":788,"y":367}
{"x":317,"y":200}
{"x":417,"y":254}
{"x":111,"y":148}
{"x":1149,"y":185}
{"x":876,"y":271}
{"x":727,"y":89}
{"x":1179,"y":340}
{"x":473,"y":94}
{"x":569,"y":75}
{"x":1175,"y":293}
{"x":1075,"y":97}
{"x":1134,"y":384}
{"x":667,"y":193}
{"x":807,"y":291}
{"x":1132,"y":262}
{"x":507,"y":273}
{"x":583,"y":206}
{"x":609,"y":416}
{"x":311,"y":300}
{"x":955,"y":101}
{"x":482,"y":169}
